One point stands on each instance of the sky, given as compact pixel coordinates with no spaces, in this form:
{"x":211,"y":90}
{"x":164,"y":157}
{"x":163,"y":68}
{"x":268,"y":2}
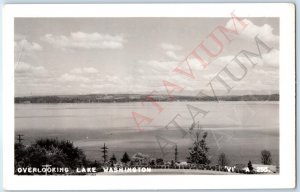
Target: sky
{"x":63,"y":56}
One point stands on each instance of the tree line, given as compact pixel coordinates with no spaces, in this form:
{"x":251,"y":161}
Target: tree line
{"x":137,"y":98}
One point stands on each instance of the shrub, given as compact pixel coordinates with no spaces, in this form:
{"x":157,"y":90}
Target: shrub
{"x":223,"y":160}
{"x":266,"y":157}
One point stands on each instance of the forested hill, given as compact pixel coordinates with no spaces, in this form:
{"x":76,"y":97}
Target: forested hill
{"x":111,"y":98}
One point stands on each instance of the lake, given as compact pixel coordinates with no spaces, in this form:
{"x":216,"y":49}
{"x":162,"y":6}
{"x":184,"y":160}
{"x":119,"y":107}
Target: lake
{"x":239,"y":129}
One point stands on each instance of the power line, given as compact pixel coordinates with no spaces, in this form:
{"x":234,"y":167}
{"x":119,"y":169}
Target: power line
{"x":176,"y":154}
{"x":104,"y":151}
{"x":20,"y":138}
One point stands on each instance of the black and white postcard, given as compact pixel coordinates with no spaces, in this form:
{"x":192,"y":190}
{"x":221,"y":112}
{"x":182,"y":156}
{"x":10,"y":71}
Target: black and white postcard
{"x":149,"y":96}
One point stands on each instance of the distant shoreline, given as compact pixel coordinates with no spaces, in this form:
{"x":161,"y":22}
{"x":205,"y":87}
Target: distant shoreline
{"x":126,"y":98}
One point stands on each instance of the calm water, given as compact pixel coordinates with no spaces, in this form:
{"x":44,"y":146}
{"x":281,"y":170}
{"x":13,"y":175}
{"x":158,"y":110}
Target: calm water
{"x":240,"y":129}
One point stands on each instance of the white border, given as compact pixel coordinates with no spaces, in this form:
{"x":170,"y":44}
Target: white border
{"x":286,"y":178}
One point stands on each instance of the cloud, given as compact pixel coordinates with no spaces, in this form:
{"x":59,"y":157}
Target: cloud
{"x":84,"y":70}
{"x":170,"y":51}
{"x":172,"y":55}
{"x":25,"y":69}
{"x":73,"y":78}
{"x":271,"y":59}
{"x":83,"y":75}
{"x":81,"y":40}
{"x":170,"y":47}
{"x":155,"y":68}
{"x":96,"y":83}
{"x":264,"y":76}
{"x":264,"y":32}
{"x":25,"y":45}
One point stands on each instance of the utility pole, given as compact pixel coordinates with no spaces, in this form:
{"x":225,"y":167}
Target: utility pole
{"x":104,"y":151}
{"x":176,"y":154}
{"x":20,"y":138}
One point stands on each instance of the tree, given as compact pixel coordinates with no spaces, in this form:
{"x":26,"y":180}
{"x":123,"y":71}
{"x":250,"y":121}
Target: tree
{"x":49,"y":151}
{"x":113,"y":160}
{"x":152,"y":162}
{"x":159,"y":161}
{"x":95,"y":164}
{"x":198,"y":153}
{"x":250,"y":167}
{"x":266,"y":157}
{"x":223,"y":160}
{"x":20,"y":154}
{"x":140,"y":159}
{"x":56,"y":152}
{"x":125,"y":159}
{"x":172,"y":163}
